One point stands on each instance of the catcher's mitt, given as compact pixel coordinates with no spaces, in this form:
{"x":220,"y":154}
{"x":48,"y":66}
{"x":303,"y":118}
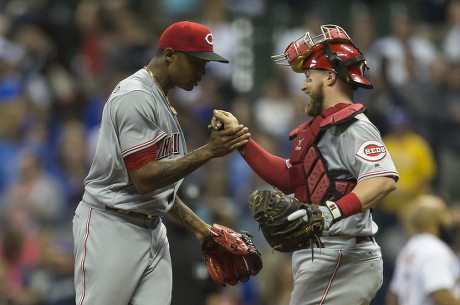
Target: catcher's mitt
{"x":272,"y":210}
{"x":230,"y":256}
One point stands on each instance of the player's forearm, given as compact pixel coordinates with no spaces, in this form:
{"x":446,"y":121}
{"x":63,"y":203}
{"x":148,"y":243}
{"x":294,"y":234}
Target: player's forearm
{"x":364,"y":196}
{"x":372,"y":191}
{"x":183,"y":215}
{"x":272,"y":169}
{"x":161,"y":173}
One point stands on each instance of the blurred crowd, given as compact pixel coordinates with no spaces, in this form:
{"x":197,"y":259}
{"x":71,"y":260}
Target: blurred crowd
{"x":59,"y":61}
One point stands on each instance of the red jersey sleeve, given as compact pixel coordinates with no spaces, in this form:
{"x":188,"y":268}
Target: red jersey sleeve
{"x":140,"y":158}
{"x":272,"y":169}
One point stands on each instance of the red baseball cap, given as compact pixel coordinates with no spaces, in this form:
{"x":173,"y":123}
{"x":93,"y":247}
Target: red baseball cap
{"x":192,"y":38}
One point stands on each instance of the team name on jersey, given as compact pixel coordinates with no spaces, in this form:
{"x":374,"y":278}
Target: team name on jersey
{"x":168,"y":146}
{"x":372,"y":151}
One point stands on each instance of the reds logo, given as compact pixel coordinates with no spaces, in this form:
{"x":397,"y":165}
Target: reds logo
{"x":208,"y":39}
{"x":372,"y":151}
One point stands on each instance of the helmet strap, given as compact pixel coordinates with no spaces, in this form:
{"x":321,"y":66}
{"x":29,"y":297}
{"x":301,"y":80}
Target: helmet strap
{"x":340,"y":66}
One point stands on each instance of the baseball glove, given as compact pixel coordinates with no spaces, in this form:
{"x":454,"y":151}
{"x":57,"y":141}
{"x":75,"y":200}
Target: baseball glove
{"x":230,"y":256}
{"x":273,"y":210}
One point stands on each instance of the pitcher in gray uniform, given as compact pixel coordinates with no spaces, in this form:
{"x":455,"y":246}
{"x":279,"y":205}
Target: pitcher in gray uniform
{"x":121,"y":249}
{"x":338,"y":161}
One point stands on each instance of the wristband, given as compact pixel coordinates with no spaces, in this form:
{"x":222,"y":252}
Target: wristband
{"x":349,"y":205}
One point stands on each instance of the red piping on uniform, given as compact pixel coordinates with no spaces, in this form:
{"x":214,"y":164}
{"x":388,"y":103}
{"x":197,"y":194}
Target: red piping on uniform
{"x":123,"y":153}
{"x":84,"y":257}
{"x":329,"y":284}
{"x":377,"y":173}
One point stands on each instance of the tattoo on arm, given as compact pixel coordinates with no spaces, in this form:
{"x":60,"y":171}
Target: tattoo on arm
{"x":171,"y":171}
{"x":185,"y":216}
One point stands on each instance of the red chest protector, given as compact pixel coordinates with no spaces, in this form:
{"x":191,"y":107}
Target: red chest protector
{"x":312,"y":183}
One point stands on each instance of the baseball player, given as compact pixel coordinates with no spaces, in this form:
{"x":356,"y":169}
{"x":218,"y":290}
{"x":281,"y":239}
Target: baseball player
{"x":427,"y":270}
{"x":121,"y":248}
{"x":339,"y":162}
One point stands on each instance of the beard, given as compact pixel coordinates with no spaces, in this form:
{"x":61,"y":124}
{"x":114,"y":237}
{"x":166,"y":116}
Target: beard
{"x":315,"y":105}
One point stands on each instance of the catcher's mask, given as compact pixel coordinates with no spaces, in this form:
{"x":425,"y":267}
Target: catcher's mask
{"x":332,"y":50}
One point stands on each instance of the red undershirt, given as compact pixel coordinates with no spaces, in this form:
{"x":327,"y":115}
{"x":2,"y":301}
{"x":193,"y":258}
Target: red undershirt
{"x":140,"y":158}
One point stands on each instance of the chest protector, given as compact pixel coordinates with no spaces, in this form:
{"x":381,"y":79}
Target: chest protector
{"x":309,"y":173}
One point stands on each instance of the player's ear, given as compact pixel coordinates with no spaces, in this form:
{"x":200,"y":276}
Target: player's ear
{"x":330,"y":77}
{"x":169,"y":53}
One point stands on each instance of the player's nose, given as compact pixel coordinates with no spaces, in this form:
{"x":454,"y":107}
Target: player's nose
{"x":303,"y":87}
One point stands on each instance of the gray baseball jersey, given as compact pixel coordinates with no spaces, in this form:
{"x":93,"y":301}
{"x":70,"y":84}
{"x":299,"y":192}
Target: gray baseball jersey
{"x":120,"y":257}
{"x":345,"y":271}
{"x":356,"y":151}
{"x":135,"y":117}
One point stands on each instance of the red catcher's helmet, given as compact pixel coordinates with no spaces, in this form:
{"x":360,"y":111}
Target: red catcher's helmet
{"x":332,"y":50}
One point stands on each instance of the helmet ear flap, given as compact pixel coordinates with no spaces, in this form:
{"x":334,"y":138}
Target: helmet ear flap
{"x":297,"y":63}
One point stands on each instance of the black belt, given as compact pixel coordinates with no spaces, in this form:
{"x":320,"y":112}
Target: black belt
{"x":131,"y":213}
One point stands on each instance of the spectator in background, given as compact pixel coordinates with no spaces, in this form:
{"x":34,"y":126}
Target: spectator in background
{"x":74,"y":160}
{"x":215,"y":15}
{"x":447,"y":114}
{"x":273,"y":111}
{"x":38,"y":69}
{"x":11,"y":54}
{"x":402,"y":44}
{"x":13,"y":111}
{"x":3,"y":276}
{"x":311,"y":20}
{"x":451,"y":42}
{"x":276,"y":287}
{"x":35,"y":270}
{"x":401,"y":58}
{"x":427,"y":270}
{"x":364,"y":33}
{"x":420,"y":100}
{"x":18,"y":262}
{"x":128,"y":43}
{"x":447,"y":110}
{"x":34,"y":207}
{"x":13,"y":103}
{"x":53,"y":277}
{"x":414,"y":159}
{"x":35,"y":200}
{"x":363,"y":30}
{"x":179,"y":9}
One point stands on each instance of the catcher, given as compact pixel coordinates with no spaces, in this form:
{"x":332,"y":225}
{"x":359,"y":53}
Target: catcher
{"x":338,"y":170}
